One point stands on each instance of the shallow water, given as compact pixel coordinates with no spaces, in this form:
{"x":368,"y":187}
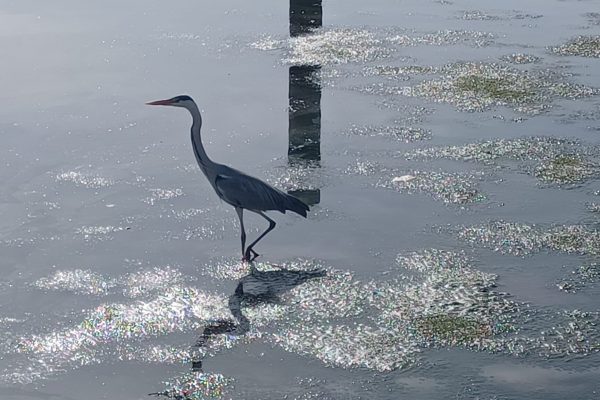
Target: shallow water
{"x":450,"y":152}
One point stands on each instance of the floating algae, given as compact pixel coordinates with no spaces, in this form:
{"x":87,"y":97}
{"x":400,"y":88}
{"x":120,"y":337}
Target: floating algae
{"x":520,"y":149}
{"x":196,"y":385}
{"x":524,"y":239}
{"x":162,"y":354}
{"x":456,"y":305}
{"x":520,"y":58}
{"x":398,"y":72}
{"x":406,"y":134}
{"x":77,"y":280}
{"x":136,"y":284}
{"x":566,"y":169}
{"x":559,"y":161}
{"x":451,"y":188}
{"x":451,"y":286}
{"x":151,"y":281}
{"x":573,"y":239}
{"x":451,"y":305}
{"x":433,"y":260}
{"x":350,"y":346}
{"x":499,"y":88}
{"x":336,"y":295}
{"x":458,"y":188}
{"x":480,"y":86}
{"x":177,"y":309}
{"x":580,"y":278}
{"x":505,"y":237}
{"x":584,"y":46}
{"x":444,"y":38}
{"x":576,"y":334}
{"x":454,"y":330}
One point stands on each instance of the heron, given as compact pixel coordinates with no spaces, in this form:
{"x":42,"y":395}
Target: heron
{"x":242,"y":191}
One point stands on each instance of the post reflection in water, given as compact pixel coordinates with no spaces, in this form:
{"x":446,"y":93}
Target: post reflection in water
{"x":305,"y":98}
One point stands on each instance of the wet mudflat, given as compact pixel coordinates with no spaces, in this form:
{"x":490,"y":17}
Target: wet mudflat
{"x":449,"y":149}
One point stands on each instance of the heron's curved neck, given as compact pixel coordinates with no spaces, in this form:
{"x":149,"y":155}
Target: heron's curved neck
{"x":203,"y":161}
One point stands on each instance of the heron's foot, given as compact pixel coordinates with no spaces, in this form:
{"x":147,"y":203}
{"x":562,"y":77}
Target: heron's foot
{"x":255,"y":255}
{"x":250,"y":256}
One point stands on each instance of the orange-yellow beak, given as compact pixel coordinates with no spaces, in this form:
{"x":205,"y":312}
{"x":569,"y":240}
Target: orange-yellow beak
{"x":159,"y":103}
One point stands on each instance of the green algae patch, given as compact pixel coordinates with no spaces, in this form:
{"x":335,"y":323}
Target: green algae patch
{"x":454,"y":330}
{"x":479,"y":86}
{"x":565,"y":169}
{"x":574,"y":239}
{"x":583,"y":46}
{"x":491,"y":151}
{"x":551,"y":160}
{"x":498,"y":88}
{"x":523,"y":239}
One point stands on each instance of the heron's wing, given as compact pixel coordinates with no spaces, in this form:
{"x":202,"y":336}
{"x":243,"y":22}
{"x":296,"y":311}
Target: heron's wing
{"x":247,"y":192}
{"x":241,"y":190}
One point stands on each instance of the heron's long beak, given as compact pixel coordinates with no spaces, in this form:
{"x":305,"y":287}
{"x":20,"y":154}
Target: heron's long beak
{"x":160,"y":103}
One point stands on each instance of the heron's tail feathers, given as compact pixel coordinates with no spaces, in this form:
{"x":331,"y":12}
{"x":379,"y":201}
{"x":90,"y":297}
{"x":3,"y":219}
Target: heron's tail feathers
{"x":296,"y":205}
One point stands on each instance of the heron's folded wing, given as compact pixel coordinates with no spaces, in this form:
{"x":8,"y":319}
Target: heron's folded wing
{"x":249,"y":193}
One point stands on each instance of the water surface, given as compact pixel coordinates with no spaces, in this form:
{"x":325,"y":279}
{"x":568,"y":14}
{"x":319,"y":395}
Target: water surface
{"x":449,"y":150}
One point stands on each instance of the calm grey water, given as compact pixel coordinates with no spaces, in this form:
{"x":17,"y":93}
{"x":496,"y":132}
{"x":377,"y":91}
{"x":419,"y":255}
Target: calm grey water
{"x":120,"y":264}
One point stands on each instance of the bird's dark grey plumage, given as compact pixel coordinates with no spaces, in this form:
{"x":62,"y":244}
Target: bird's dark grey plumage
{"x":242,"y":191}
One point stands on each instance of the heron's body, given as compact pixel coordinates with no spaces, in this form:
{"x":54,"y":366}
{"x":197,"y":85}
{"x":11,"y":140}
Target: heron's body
{"x":244,"y":192}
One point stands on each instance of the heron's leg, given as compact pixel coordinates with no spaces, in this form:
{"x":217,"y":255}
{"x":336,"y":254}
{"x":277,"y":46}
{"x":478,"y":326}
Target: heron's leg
{"x":254,"y":255}
{"x":269,"y":229}
{"x":240,"y":213}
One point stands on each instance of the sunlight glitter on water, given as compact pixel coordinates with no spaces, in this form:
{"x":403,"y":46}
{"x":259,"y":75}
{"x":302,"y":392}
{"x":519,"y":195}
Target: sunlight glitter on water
{"x":85,"y":180}
{"x":349,"y":45}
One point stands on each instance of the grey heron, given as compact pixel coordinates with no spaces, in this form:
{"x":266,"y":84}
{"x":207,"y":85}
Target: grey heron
{"x":242,"y":191}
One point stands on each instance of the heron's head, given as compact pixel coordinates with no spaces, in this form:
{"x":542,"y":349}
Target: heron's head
{"x":177,"y":101}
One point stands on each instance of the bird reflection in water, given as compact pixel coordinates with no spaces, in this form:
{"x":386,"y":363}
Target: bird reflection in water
{"x":253,"y":289}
